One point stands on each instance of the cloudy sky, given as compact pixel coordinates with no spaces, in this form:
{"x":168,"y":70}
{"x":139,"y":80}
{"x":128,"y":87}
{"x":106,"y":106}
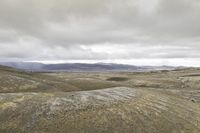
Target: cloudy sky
{"x":154,"y":32}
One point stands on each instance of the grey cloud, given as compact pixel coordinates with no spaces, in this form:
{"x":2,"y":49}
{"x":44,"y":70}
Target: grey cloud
{"x":51,"y":29}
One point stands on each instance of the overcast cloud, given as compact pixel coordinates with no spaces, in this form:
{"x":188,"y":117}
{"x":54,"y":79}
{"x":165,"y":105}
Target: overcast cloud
{"x":148,"y":30}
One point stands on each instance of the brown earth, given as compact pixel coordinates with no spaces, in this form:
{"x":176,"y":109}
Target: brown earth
{"x":146,"y":102}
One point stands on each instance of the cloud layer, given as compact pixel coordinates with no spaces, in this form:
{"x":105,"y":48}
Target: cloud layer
{"x":99,"y":29}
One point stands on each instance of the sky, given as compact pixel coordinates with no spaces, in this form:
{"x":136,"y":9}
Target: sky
{"x":141,"y":32}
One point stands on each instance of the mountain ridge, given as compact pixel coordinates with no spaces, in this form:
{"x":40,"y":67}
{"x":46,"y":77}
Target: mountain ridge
{"x":81,"y":67}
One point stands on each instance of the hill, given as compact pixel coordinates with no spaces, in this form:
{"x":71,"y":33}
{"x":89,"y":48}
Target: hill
{"x":81,"y":67}
{"x":135,"y":102}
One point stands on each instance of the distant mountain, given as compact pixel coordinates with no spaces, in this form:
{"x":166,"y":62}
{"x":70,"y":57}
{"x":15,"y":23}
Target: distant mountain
{"x":24,"y":65}
{"x":81,"y":67}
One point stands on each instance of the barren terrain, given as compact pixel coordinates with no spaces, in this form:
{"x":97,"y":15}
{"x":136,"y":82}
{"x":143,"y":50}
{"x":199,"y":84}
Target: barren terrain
{"x":135,"y":102}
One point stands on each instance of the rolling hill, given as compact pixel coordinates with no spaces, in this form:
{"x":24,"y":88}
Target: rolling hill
{"x":135,"y":102}
{"x":81,"y":67}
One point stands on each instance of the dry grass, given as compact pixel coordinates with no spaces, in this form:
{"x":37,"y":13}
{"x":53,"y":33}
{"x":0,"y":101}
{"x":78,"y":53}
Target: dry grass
{"x":145,"y":102}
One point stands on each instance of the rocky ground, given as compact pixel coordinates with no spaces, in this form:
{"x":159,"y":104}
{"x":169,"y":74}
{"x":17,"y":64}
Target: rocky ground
{"x":145,"y":102}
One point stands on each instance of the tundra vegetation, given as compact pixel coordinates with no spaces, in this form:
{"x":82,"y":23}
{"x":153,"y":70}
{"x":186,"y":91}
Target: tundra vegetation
{"x":135,"y":102}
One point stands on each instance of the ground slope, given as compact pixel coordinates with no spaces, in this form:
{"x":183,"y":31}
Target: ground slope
{"x":146,"y":102}
{"x":118,"y":109}
{"x":14,"y":81}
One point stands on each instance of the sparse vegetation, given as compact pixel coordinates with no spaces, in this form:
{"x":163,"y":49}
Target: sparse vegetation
{"x":117,"y":79}
{"x":144,"y":102}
